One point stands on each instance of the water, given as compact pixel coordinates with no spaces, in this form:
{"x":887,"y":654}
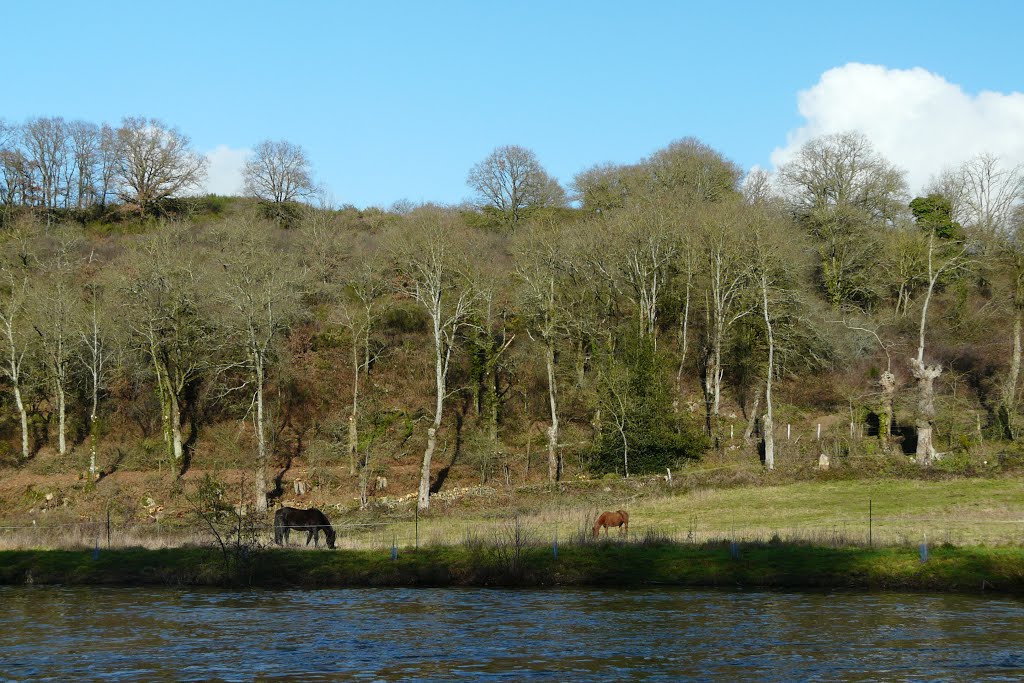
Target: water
{"x":63,"y":634}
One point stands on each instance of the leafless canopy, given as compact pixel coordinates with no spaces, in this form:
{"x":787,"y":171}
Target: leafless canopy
{"x":511,"y":180}
{"x":278,"y":171}
{"x":155,"y":162}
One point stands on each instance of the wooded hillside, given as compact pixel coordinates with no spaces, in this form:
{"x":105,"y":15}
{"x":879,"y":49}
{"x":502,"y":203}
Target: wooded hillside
{"x":654,"y":313}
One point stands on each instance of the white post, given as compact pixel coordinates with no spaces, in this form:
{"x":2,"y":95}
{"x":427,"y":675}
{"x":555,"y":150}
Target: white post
{"x":787,"y":431}
{"x":819,"y":431}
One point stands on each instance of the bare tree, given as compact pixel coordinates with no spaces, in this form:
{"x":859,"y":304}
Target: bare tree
{"x":95,"y":353}
{"x":511,"y":180}
{"x":726,"y":301}
{"x":647,"y":244}
{"x":46,"y":145}
{"x":362,"y":304}
{"x":55,"y":307}
{"x":691,"y":171}
{"x":772,"y":273}
{"x":255,"y":290}
{"x":941,"y":259}
{"x":433,"y":274}
{"x":991,"y":193}
{"x":539,"y":259}
{"x":165,"y":310}
{"x":14,"y":334}
{"x":843,"y":170}
{"x":85,"y":150}
{"x":155,"y":162}
{"x":278,"y":171}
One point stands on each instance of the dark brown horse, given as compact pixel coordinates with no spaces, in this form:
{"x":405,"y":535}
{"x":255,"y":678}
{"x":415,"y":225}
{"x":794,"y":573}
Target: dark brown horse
{"x":619,"y":518}
{"x":311,"y":521}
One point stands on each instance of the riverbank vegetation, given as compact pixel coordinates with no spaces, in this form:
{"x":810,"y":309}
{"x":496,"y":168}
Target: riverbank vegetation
{"x":650,"y":562}
{"x":736,"y":341}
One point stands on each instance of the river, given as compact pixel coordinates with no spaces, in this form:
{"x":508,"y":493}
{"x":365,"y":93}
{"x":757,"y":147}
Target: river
{"x":146,"y":634}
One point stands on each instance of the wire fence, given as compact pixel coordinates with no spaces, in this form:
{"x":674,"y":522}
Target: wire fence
{"x":546,"y":528}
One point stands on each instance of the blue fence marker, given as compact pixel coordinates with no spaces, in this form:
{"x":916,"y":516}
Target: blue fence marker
{"x":924,"y":552}
{"x":734,"y":550}
{"x":96,"y":551}
{"x":394,"y":550}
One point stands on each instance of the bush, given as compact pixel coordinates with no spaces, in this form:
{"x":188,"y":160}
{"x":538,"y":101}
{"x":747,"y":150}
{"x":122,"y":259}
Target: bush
{"x":637,"y":396}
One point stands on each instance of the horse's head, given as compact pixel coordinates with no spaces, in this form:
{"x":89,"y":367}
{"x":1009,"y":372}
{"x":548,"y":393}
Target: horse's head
{"x":329,"y":533}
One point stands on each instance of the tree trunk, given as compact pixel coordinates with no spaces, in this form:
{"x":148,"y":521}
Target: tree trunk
{"x":62,"y":444}
{"x":23,"y":414}
{"x":175,"y":416}
{"x":553,"y":468}
{"x":752,"y":420}
{"x":261,"y":443}
{"x":683,"y":332}
{"x":769,"y":437}
{"x":925,"y":375}
{"x":353,"y":418}
{"x":885,"y":419}
{"x":93,"y":437}
{"x":440,"y":383}
{"x":1010,"y":391}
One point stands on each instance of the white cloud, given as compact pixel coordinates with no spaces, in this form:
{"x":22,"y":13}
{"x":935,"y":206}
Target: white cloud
{"x":916,"y":119}
{"x":224,"y":174}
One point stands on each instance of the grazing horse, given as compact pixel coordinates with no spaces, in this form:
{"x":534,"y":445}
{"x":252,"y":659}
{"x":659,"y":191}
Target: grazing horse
{"x":311,"y":521}
{"x":619,"y":518}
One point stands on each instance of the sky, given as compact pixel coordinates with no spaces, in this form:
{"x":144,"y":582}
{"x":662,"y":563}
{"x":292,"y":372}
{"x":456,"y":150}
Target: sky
{"x":398,"y":100}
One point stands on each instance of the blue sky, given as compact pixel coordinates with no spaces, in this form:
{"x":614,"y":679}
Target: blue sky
{"x":398,"y":100}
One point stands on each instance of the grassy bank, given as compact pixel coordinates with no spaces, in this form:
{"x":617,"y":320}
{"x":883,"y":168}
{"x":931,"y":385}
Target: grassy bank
{"x":771,"y":565}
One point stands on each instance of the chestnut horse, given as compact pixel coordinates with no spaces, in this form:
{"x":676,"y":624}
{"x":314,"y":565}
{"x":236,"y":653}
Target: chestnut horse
{"x":619,"y":518}
{"x":311,"y":521}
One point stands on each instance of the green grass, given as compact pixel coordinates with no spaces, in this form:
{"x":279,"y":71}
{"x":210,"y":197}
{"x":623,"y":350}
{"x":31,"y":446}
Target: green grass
{"x":772,"y":565}
{"x":958,"y":511}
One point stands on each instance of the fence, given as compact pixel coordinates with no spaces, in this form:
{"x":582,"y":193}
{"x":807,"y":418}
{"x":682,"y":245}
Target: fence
{"x":860,"y":527}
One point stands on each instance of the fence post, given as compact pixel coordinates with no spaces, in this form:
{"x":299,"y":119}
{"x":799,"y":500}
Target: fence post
{"x":108,"y":528}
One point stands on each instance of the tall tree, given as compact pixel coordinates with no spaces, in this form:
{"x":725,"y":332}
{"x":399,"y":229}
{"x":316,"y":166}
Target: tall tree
{"x":155,"y":162}
{"x":255,"y":289}
{"x":15,"y":337}
{"x":165,"y":308}
{"x":362,"y":302}
{"x":539,"y":256}
{"x":55,"y":306}
{"x":432,"y":269}
{"x":46,"y":145}
{"x":942,"y":258}
{"x":278,"y":171}
{"x":843,"y":191}
{"x":726,"y":288}
{"x":690,"y":171}
{"x":510,"y":181}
